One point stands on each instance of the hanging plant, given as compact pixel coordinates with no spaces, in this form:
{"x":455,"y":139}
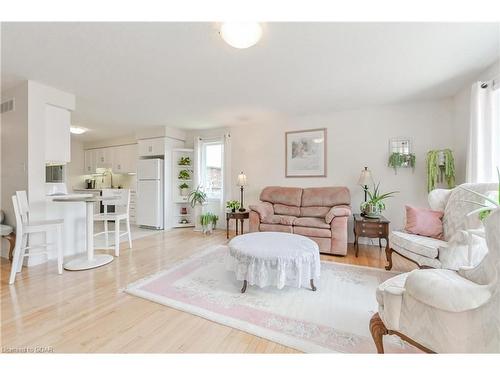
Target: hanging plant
{"x":400,"y":160}
{"x":440,"y":168}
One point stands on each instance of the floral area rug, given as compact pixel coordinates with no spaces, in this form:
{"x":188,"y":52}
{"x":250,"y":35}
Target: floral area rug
{"x":334,"y":318}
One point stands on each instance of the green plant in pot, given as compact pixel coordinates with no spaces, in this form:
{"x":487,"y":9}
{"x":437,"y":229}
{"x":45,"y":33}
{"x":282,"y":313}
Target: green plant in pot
{"x":184,"y":160}
{"x":184,"y":175}
{"x":232,"y":205}
{"x":196,"y":199}
{"x":400,"y":160}
{"x":440,"y":168}
{"x":184,"y":189}
{"x":374,"y":206}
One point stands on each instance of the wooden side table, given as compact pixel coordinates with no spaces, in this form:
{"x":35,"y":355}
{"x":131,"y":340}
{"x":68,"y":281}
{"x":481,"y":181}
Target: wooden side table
{"x":371,"y":228}
{"x":238,"y":216}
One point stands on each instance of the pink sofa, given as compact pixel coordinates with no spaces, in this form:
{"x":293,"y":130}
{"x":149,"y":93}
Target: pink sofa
{"x":318,"y":213}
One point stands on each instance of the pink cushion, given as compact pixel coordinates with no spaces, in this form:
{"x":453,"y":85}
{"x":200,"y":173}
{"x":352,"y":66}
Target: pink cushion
{"x":424,"y":222}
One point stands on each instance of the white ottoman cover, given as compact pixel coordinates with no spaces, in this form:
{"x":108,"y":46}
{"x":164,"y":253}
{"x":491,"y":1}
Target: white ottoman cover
{"x":274,"y":259}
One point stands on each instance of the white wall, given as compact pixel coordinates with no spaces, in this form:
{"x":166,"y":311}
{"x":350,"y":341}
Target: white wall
{"x":74,"y":170}
{"x":461,"y":119}
{"x":356,"y":139}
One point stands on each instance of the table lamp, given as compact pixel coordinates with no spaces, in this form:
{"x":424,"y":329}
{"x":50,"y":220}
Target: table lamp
{"x":242,"y":181}
{"x":365,"y":179}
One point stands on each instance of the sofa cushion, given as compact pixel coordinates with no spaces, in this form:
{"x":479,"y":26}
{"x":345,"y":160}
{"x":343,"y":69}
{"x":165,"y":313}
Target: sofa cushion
{"x":314,"y":211}
{"x":279,"y":219}
{"x":289,"y":196}
{"x":326,"y":196}
{"x":312,"y":232}
{"x":275,"y":228}
{"x":426,"y":246}
{"x":314,"y":222}
{"x":341,"y":210}
{"x":264,"y":209}
{"x":283,"y":209}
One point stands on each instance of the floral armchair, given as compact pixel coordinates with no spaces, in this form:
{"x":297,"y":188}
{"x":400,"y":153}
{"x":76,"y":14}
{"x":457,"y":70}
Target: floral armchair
{"x":453,"y":250}
{"x":445,"y":311}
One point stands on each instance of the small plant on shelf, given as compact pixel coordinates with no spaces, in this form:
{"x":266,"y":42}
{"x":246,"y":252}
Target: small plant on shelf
{"x":184,"y":160}
{"x":197,"y":197}
{"x":375,"y":205}
{"x":233,"y":205}
{"x":184,"y":175}
{"x":184,"y":189}
{"x":400,"y":160}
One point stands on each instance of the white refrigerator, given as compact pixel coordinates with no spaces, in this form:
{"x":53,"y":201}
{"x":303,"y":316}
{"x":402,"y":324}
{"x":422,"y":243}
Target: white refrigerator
{"x":150,"y":199}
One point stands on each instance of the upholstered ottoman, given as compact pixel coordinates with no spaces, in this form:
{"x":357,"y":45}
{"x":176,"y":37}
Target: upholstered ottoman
{"x":274,"y":259}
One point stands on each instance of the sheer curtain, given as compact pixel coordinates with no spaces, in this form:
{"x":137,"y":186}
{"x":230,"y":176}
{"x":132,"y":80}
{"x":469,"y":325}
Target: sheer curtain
{"x":483,"y":154}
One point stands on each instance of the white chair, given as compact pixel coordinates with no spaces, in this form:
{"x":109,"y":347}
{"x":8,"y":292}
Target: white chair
{"x":24,"y":228}
{"x":452,"y":252}
{"x":120,"y":198}
{"x":445,"y":311}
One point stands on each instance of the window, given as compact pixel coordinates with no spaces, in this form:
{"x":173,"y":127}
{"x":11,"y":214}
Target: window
{"x":211,"y":169}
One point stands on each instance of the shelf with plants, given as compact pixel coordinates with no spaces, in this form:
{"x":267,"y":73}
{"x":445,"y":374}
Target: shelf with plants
{"x":182,"y":185}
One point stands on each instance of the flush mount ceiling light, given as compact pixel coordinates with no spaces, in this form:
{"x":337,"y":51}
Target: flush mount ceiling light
{"x":77,"y":130}
{"x":241,"y":35}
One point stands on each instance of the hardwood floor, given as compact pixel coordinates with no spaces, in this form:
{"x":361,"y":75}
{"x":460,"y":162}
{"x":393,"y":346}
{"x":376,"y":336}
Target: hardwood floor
{"x":87,"y":311}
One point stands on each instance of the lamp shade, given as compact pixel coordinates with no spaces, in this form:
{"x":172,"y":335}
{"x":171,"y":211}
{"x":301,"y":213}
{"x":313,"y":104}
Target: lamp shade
{"x":365,"y":178}
{"x":242,"y":180}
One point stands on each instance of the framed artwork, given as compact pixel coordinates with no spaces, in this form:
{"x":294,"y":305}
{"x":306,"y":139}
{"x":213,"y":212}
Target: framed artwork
{"x":305,"y":152}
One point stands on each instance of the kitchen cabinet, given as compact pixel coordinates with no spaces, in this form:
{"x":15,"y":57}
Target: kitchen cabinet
{"x":124,"y":159}
{"x":57,"y":135}
{"x":151,"y":147}
{"x":121,"y":159}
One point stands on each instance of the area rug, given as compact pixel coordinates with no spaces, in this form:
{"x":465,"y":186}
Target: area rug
{"x":334,"y":318}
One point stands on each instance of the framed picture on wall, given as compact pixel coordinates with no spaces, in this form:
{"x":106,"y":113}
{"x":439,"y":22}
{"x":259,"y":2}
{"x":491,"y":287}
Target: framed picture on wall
{"x":305,"y":152}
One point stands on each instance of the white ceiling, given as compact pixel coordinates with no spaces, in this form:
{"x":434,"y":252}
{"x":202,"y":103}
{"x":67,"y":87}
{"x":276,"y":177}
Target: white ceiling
{"x":127,"y":75}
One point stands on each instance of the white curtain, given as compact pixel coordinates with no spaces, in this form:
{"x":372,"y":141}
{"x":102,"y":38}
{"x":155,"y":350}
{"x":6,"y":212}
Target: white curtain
{"x":483,"y":154}
{"x":197,"y":162}
{"x":226,"y":174}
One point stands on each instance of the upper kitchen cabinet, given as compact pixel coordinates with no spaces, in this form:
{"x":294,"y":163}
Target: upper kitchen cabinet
{"x":124,"y":159}
{"x":151,"y":147}
{"x":57,"y":135}
{"x":90,"y":161}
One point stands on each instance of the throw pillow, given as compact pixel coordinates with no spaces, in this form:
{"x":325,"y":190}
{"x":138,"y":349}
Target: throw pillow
{"x":424,"y":222}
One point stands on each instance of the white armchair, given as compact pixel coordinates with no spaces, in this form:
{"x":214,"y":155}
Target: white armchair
{"x":452,"y":252}
{"x":445,"y":311}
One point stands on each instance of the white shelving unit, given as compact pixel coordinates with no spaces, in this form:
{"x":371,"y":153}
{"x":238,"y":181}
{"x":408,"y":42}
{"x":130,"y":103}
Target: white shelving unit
{"x":181,"y":202}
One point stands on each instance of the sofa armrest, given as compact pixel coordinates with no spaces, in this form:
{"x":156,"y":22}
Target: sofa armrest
{"x":264,"y":209}
{"x":341,"y":210}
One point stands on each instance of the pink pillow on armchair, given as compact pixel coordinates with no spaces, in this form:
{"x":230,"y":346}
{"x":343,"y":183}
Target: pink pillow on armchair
{"x":424,"y":222}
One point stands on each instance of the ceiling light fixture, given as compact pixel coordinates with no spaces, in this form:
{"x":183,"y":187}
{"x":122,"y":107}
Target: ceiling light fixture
{"x":77,"y":130}
{"x":241,"y":35}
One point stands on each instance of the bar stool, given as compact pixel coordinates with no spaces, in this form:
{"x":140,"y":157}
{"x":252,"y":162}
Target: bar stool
{"x":120,"y":198}
{"x":25,"y":227}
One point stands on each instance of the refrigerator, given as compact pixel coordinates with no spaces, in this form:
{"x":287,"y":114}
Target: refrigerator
{"x":150,"y":197}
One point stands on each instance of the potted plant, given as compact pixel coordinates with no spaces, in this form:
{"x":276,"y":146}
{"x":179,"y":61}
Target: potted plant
{"x":375,"y":205}
{"x":184,"y":175}
{"x":184,"y":160}
{"x":205,"y":221}
{"x":232,"y":205}
{"x":400,"y":160}
{"x":196,"y":199}
{"x":184,"y":189}
{"x":440,"y":168}
{"x":214,"y":218}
